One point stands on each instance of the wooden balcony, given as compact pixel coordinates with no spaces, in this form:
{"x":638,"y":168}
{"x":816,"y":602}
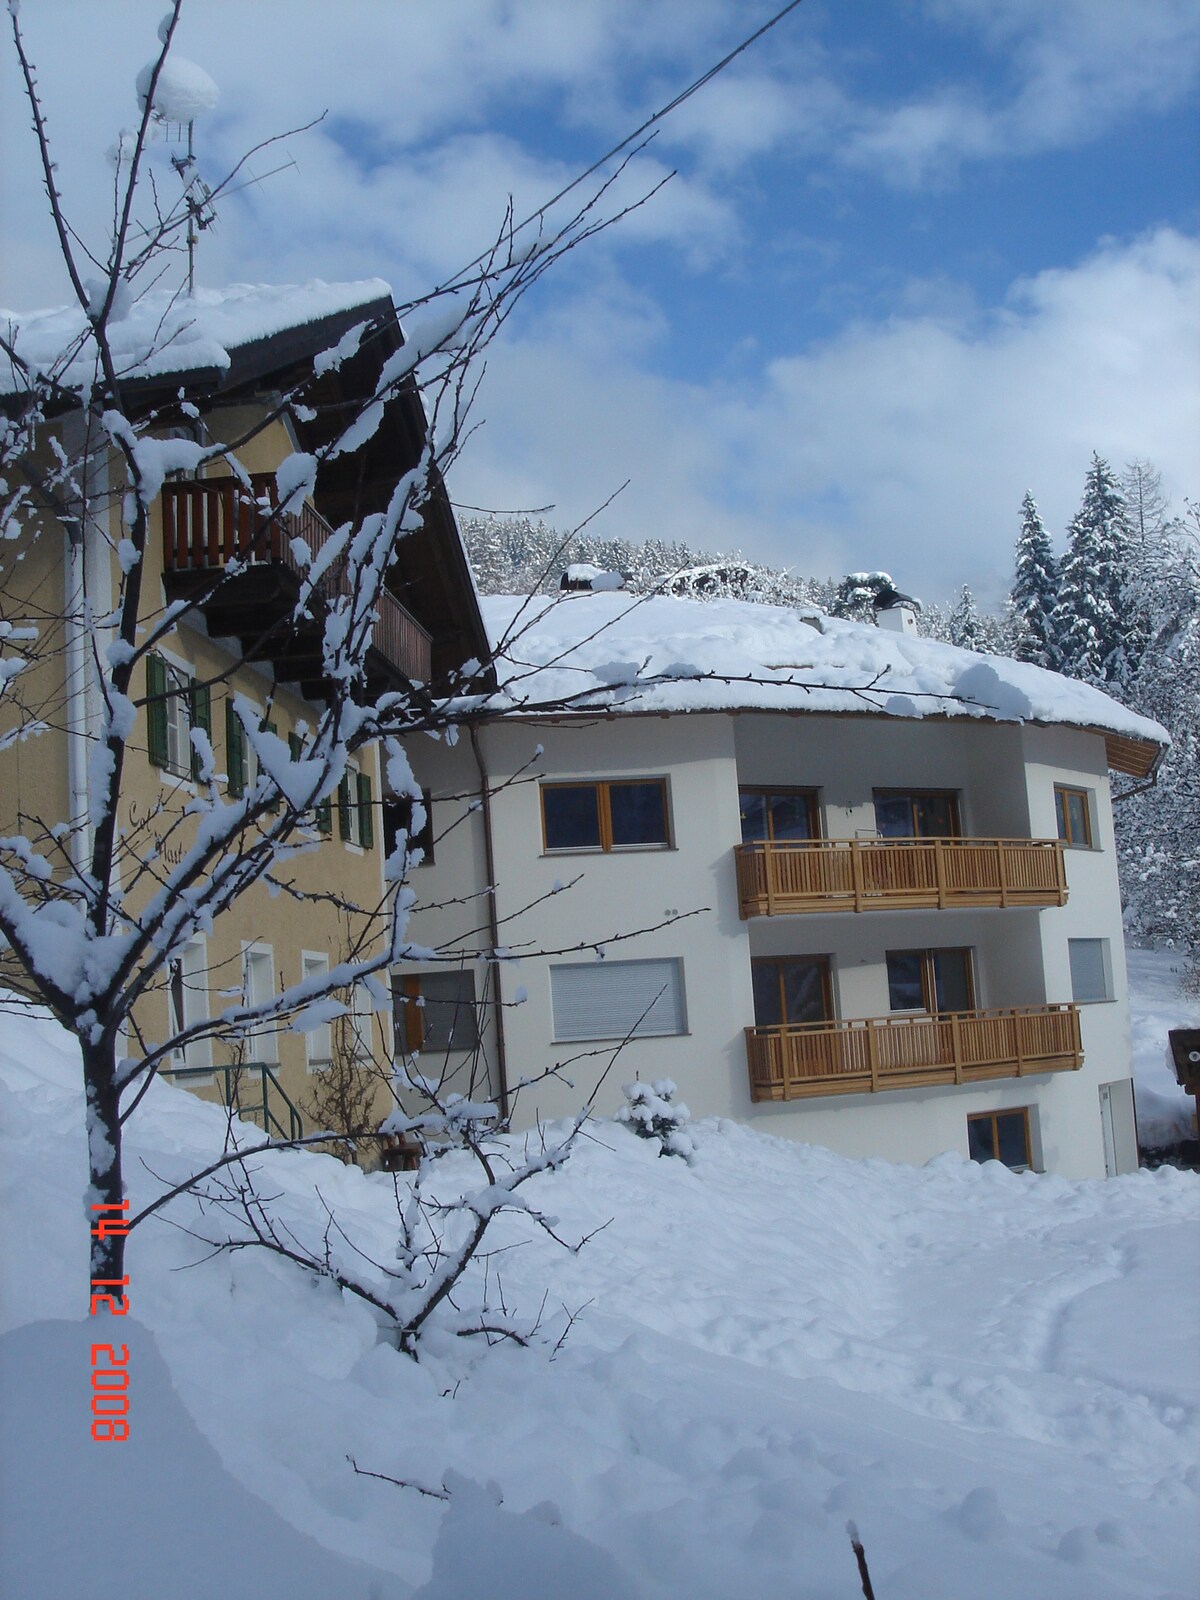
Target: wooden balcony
{"x":867,"y":1055}
{"x":786,"y":878}
{"x":216,"y":525}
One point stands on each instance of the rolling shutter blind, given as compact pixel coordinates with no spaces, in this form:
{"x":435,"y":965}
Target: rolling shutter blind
{"x":1089,"y":974}
{"x":235,"y":752}
{"x":156,"y":709}
{"x":617,"y":999}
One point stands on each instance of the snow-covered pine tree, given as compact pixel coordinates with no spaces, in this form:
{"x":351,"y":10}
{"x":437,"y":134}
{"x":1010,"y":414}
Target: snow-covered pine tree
{"x":1091,"y":627}
{"x":966,"y":629}
{"x":1034,"y":590}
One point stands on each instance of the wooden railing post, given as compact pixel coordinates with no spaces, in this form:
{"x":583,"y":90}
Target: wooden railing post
{"x":1000,"y":855}
{"x":873,"y":1055}
{"x":856,"y":873}
{"x":956,"y":1046}
{"x":939,"y":874}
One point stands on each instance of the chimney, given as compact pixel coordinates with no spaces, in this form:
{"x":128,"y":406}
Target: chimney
{"x":895,"y":611}
{"x":900,"y":618}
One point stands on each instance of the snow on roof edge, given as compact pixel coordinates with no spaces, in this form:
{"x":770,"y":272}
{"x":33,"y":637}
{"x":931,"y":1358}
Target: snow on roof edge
{"x":164,"y":334}
{"x":662,"y":654}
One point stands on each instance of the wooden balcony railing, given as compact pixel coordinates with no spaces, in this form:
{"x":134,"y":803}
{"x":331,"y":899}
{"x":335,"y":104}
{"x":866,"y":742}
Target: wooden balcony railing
{"x":207,"y":524}
{"x":781,"y":879}
{"x":866,"y":1055}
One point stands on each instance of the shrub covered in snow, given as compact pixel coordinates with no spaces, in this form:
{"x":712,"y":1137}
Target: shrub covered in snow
{"x":652,"y":1111}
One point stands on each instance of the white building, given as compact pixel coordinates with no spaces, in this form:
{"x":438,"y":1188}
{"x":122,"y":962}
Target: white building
{"x":851,"y":886}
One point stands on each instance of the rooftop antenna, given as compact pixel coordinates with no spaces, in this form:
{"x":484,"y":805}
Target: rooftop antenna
{"x":201,"y":213}
{"x":183,"y":92}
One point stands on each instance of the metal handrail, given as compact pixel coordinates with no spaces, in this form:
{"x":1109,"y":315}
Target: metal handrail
{"x":232,"y":1074}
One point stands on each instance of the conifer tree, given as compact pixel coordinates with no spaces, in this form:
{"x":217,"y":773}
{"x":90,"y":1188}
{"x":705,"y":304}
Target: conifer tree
{"x":1090,"y":621}
{"x":966,"y":628}
{"x":1034,"y":590}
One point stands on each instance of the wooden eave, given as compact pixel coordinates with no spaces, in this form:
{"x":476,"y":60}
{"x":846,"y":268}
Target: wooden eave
{"x":430,"y":576}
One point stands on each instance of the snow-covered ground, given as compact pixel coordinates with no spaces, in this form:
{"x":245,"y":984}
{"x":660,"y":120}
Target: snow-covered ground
{"x":993,"y":1375}
{"x":1156,"y":1006}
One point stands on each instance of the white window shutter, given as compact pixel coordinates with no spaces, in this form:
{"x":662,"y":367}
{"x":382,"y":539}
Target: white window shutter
{"x":617,"y":999}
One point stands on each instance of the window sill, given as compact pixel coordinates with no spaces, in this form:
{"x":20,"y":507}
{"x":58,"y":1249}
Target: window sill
{"x":617,"y":850}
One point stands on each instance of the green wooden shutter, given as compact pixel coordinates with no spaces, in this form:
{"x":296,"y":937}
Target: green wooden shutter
{"x":235,"y":751}
{"x":345,"y":828}
{"x":267,"y":726}
{"x":156,"y":709}
{"x":200,"y":713}
{"x":294,"y":746}
{"x":366,"y":821}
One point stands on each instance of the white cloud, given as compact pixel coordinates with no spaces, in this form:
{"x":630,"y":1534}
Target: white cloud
{"x":1067,"y":71}
{"x":905,"y":444}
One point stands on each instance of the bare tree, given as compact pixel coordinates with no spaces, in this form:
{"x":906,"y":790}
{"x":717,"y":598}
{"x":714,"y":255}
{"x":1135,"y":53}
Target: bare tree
{"x":99,"y":902}
{"x":97,"y":905}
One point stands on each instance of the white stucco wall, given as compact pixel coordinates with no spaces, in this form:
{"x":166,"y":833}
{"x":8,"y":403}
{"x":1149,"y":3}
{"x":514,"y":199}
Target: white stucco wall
{"x":681,"y":901}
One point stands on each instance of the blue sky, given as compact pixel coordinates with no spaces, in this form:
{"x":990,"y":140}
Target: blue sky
{"x":920,"y":255}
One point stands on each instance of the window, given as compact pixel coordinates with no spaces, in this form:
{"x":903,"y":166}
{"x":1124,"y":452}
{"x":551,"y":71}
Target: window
{"x":399,"y":815}
{"x":1074,"y":817}
{"x":356,"y":815}
{"x":318,"y":1041}
{"x":1001,"y":1136}
{"x":360,"y":1025}
{"x":175,"y":704}
{"x":436,"y":1011}
{"x":187,"y":1002}
{"x":322,"y":812}
{"x":779,"y":814}
{"x":1091,"y":970}
{"x":930,"y":980}
{"x":791,"y":989}
{"x":621,"y":814}
{"x":258,"y":988}
{"x":916,"y":813}
{"x":618,"y":999}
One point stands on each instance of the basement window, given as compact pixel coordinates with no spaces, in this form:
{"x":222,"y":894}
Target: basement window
{"x":1001,"y":1136}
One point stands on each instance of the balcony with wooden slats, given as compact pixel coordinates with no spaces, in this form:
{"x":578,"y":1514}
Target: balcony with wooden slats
{"x":777,"y":878}
{"x":217,"y":526}
{"x":873,"y":1054}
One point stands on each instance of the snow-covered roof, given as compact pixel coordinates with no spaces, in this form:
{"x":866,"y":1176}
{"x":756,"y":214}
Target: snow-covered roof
{"x":164,"y":333}
{"x":613,"y":653}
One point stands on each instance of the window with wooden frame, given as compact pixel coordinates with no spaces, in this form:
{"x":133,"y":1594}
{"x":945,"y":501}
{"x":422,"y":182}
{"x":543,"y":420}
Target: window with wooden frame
{"x":916,"y":814}
{"x":1001,"y":1136}
{"x":356,"y":809}
{"x":608,"y":814}
{"x":778,"y":814}
{"x":399,"y":816}
{"x":175,"y":704}
{"x":1073,"y":810}
{"x":931,"y":980}
{"x":435,"y":1011}
{"x":791,"y":989}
